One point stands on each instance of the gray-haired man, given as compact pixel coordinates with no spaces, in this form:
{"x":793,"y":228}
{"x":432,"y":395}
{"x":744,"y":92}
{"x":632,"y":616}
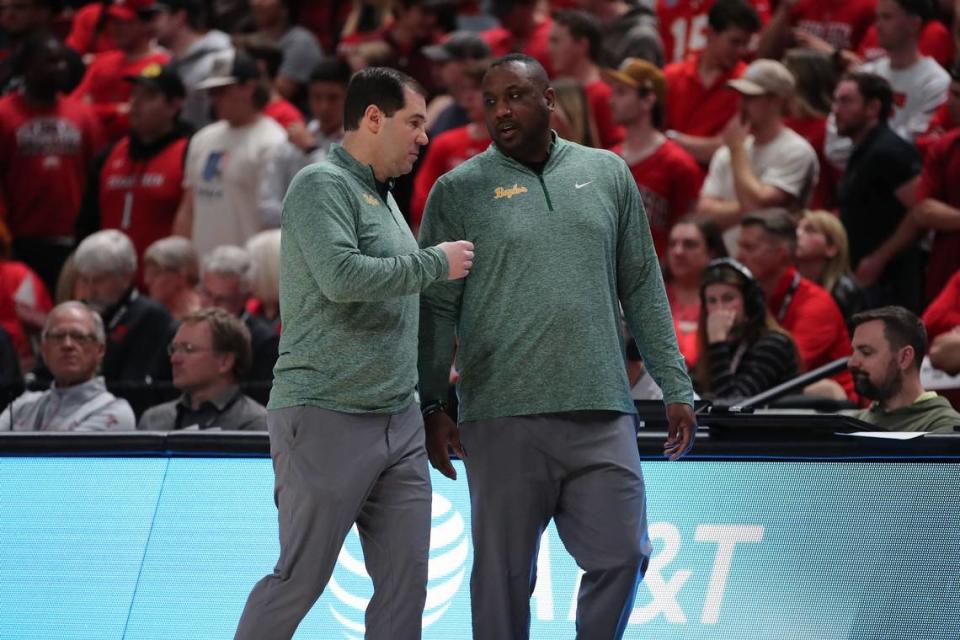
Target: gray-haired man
{"x":73,"y":345}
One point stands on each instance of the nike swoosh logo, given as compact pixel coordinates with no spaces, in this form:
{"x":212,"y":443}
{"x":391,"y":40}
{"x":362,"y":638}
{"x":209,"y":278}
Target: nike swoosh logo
{"x":577,"y":185}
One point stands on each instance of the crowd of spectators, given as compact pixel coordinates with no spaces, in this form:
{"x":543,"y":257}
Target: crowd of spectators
{"x":798,"y":161}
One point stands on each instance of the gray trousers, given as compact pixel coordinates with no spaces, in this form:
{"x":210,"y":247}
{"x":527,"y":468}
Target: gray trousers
{"x":333,"y":470}
{"x":581,"y":469}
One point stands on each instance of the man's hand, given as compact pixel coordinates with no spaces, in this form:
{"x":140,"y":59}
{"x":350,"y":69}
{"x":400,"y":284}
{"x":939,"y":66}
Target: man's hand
{"x":681,"y":430}
{"x":869,"y":270}
{"x":736,"y":131}
{"x":442,"y":432}
{"x":300,"y":136}
{"x":459,"y":257}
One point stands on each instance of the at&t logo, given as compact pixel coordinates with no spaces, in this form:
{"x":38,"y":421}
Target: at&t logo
{"x":449,"y":548}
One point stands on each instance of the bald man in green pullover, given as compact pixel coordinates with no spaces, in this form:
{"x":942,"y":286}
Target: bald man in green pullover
{"x":346,"y":434}
{"x":546,"y":429}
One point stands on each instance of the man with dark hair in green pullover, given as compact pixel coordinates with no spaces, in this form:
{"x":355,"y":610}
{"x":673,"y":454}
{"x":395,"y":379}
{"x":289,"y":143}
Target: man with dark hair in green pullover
{"x":346,"y":434}
{"x":545,"y":408}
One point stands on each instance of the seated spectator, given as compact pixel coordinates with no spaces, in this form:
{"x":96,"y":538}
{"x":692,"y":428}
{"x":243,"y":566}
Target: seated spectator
{"x":137,"y":327}
{"x":699,"y":104}
{"x":138,"y":186}
{"x":264,"y":249}
{"x":767,"y":246}
{"x":171,"y":273}
{"x":763,"y":163}
{"x":226,"y":281}
{"x":576,"y":43}
{"x":452,"y":147}
{"x":227,"y":200}
{"x":571,"y":117}
{"x":47,"y":148}
{"x":208,"y":355}
{"x":888,"y":347}
{"x":181,"y":27}
{"x":694,"y":241}
{"x":104,"y":85}
{"x":523,"y":29}
{"x":629,"y":31}
{"x":326,"y":93}
{"x":668,"y":177}
{"x":73,"y":347}
{"x":460,"y":51}
{"x":275,"y":21}
{"x":823,"y":257}
{"x":743,"y":350}
{"x":807,"y":113}
{"x":269,"y":57}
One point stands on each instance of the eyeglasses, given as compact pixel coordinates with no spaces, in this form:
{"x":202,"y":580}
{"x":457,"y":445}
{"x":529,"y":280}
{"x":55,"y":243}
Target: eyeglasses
{"x":185,"y":348}
{"x":59,"y":337}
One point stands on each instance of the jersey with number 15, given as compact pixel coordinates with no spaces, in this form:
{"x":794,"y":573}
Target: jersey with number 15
{"x":683,"y":25}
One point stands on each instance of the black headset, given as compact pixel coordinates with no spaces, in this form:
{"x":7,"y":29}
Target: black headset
{"x":754,"y":300}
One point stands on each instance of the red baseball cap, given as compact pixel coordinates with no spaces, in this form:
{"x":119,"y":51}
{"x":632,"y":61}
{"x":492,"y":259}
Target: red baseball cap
{"x":129,"y":10}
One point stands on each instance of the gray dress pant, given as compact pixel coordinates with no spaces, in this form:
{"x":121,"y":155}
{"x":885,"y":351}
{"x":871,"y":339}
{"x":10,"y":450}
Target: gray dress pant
{"x":581,"y":469}
{"x":332,"y":470}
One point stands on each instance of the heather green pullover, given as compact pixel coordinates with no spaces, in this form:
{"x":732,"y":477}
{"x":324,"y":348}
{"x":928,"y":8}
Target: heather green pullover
{"x":350,"y":272}
{"x":538,"y":318}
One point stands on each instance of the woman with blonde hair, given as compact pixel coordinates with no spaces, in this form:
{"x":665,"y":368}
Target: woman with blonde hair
{"x":572,"y":117}
{"x":823,"y":256}
{"x":264,"y":250}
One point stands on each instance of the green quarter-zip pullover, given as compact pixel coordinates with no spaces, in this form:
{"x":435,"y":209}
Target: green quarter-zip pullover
{"x":350,"y":272}
{"x":538,"y":318}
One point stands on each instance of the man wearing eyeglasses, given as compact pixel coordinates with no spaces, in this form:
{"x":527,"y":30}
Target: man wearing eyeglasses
{"x":208,"y":355}
{"x":73,"y":345}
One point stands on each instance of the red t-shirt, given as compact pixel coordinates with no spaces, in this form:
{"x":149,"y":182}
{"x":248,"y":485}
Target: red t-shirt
{"x":943,"y":314}
{"x":669,"y":180}
{"x":843,"y":24}
{"x":536,"y":45}
{"x":23,"y":300}
{"x":445,"y":152}
{"x":940,"y":180}
{"x":598,"y":96}
{"x":935,"y":41}
{"x":283,"y":111}
{"x":140,"y":197}
{"x":693,"y":108}
{"x":686,"y":319}
{"x":816,"y":324}
{"x":104,"y":86}
{"x":45,"y":155}
{"x":81,"y":38}
{"x":683,"y":25}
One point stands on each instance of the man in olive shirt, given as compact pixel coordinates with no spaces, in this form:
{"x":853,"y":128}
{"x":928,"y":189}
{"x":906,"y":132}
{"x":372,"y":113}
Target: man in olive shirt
{"x":545,"y":406}
{"x":888,"y":348}
{"x":346,"y":434}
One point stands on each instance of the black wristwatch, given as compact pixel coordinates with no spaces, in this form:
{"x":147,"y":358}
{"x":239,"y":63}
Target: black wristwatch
{"x":431,"y":408}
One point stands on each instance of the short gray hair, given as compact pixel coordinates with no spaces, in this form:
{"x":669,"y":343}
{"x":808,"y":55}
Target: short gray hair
{"x":98,"y":329}
{"x":107,"y":251}
{"x":174,"y":253}
{"x":228,"y":260}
